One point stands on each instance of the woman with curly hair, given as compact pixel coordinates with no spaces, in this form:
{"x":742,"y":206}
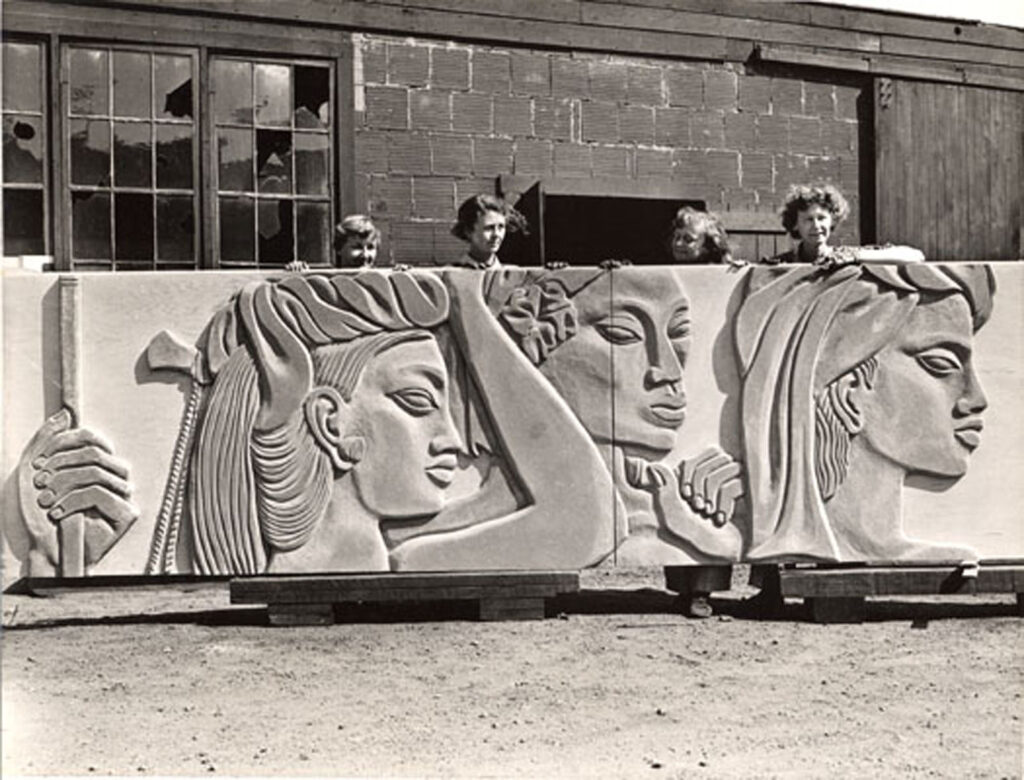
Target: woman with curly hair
{"x":698,"y":237}
{"x":811,"y":214}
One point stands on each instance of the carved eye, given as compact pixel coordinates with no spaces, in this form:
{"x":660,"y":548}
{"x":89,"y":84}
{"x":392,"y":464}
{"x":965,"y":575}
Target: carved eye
{"x":679,"y":326}
{"x":415,"y":400}
{"x":940,"y":362}
{"x":618,"y":334}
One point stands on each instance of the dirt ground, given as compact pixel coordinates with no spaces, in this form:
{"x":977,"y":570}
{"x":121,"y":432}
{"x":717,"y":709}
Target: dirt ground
{"x":176,"y":681}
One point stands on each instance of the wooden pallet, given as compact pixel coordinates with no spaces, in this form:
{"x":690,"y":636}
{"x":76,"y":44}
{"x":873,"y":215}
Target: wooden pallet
{"x":301,"y":600}
{"x":836,"y":594}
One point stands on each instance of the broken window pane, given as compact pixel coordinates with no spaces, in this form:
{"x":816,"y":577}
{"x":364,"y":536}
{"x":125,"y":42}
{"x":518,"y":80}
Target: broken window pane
{"x":274,"y":161}
{"x":312,"y":97}
{"x":273,"y":95}
{"x":132,"y":155}
{"x":275,"y":230}
{"x":173,"y":87}
{"x":174,"y":157}
{"x":133,"y":220}
{"x":23,"y":222}
{"x":90,"y":152}
{"x":175,"y":228}
{"x":312,"y":162}
{"x":131,"y":84}
{"x":234,"y":159}
{"x":232,"y":90}
{"x":89,"y":77}
{"x":237,"y":216}
{"x":90,"y":225}
{"x":23,"y":150}
{"x":21,"y":76}
{"x":314,"y":232}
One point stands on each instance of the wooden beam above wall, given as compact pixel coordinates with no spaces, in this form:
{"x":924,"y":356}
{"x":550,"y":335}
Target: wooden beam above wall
{"x":715,"y":30}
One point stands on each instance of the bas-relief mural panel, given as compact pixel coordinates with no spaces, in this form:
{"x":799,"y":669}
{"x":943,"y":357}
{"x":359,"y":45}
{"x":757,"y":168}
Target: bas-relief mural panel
{"x":530,"y":419}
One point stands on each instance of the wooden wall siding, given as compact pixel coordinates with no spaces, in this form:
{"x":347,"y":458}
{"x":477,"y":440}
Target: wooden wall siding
{"x":950,"y":167}
{"x":699,"y":29}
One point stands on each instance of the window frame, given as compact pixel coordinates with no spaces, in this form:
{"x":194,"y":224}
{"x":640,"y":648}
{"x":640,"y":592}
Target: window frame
{"x":246,"y":37}
{"x":213,"y":191}
{"x":68,"y":188}
{"x":45,"y":116}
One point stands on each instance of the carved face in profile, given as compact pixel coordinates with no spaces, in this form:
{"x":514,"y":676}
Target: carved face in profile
{"x":924,"y":409}
{"x":642,"y":339}
{"x":399,"y":413}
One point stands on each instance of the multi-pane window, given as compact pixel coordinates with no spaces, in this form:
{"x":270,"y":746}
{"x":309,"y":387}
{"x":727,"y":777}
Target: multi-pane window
{"x":274,"y":158}
{"x":132,"y":157}
{"x":25,"y":168}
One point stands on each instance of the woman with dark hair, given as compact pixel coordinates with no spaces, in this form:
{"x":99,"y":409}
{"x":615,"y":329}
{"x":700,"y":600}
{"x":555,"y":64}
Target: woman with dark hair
{"x":482,"y":222}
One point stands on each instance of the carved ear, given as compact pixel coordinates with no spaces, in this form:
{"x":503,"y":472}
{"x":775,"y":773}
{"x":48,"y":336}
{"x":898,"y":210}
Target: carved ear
{"x":327,"y":415}
{"x":843,"y":393}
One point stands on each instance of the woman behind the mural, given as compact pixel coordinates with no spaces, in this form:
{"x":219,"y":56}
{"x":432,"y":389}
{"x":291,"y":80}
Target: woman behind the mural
{"x":482,"y":222}
{"x":853,"y":378}
{"x":811,"y":214}
{"x":699,"y":237}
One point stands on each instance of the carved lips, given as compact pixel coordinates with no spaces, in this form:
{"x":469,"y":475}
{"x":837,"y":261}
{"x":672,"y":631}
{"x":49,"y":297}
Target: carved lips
{"x":969,"y":434}
{"x":442,"y":471}
{"x":667,"y":414}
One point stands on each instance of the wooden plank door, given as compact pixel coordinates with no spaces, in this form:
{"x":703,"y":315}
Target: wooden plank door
{"x":950,"y":169}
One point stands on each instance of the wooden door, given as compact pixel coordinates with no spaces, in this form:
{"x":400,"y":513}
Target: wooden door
{"x":950,"y":169}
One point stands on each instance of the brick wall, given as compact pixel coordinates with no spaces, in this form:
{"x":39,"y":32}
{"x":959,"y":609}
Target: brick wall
{"x":437,"y":122}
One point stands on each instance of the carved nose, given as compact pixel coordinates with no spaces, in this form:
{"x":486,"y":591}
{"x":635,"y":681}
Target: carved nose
{"x":973,"y":400}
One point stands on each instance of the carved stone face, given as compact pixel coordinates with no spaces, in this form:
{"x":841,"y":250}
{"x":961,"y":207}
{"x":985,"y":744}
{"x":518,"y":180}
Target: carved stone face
{"x":400,"y":408}
{"x":648,"y":328}
{"x":924,"y":412}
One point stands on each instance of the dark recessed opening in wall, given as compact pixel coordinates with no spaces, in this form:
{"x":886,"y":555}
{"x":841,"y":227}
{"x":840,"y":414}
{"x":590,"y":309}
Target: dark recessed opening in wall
{"x":587,"y":221}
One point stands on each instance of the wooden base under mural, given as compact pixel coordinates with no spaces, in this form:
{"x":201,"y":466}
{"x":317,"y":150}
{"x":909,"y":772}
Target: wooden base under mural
{"x":836,"y":594}
{"x":320,"y":599}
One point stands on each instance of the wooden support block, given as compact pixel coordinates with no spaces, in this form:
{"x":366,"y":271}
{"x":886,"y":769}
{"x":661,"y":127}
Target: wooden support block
{"x":512,"y":609}
{"x":843,"y":609}
{"x":300,"y":614}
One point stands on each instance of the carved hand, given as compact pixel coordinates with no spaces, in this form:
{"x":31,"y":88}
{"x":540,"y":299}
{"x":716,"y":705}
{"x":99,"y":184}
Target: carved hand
{"x":697,"y":500}
{"x":66,"y":471}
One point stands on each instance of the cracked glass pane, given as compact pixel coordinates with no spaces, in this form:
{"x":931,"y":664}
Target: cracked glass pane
{"x":23,"y":149}
{"x":312,"y":97}
{"x":234,"y":160}
{"x":274,"y":161}
{"x":90,"y":225}
{"x":173,"y":87}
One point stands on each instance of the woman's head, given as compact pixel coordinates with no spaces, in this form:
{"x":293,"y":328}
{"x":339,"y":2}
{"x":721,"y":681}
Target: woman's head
{"x":811,"y":213}
{"x":698,"y":237}
{"x":358,"y":240}
{"x":315,"y":379}
{"x":483,"y":221}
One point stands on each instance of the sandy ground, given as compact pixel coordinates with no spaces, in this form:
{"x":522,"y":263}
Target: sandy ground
{"x":179,"y":682}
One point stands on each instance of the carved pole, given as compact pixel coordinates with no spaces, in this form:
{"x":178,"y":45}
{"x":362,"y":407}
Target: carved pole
{"x":71,"y":530}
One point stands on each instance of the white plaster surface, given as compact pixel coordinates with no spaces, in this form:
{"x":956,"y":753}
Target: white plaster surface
{"x":139,"y":411}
